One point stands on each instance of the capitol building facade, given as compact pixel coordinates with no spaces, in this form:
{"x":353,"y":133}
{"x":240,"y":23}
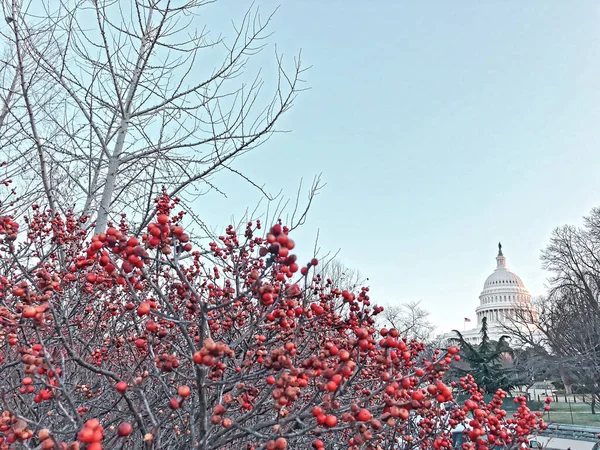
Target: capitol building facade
{"x":503,"y":295}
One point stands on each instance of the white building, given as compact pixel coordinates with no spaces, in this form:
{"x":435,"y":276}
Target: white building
{"x":503,"y":294}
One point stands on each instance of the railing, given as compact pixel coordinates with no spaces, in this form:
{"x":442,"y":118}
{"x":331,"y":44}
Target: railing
{"x":575,"y":432}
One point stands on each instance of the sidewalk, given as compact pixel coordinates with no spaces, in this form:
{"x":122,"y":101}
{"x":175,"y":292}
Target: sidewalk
{"x":564,"y":444}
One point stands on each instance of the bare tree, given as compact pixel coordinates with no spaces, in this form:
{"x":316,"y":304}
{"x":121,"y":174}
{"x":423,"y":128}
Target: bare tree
{"x":124,"y":98}
{"x":411,"y":320}
{"x":341,"y":275}
{"x":568,"y":325}
{"x":530,"y":365}
{"x":20,"y":82}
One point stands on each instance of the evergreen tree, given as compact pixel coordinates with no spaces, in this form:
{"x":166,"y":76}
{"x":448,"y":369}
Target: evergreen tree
{"x":485,"y":361}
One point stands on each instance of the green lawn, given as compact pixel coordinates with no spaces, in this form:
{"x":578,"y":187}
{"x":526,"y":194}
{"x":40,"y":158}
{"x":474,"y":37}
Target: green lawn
{"x":573,"y":413}
{"x":559,"y":413}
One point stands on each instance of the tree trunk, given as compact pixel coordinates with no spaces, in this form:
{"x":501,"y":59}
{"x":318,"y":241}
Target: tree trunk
{"x":567,"y":384}
{"x":111,"y":179}
{"x":9,"y":97}
{"x":127,"y":107}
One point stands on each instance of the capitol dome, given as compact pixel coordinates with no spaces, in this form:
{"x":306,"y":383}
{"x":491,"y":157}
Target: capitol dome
{"x":503,"y":278}
{"x":503,"y":298}
{"x":503,"y":293}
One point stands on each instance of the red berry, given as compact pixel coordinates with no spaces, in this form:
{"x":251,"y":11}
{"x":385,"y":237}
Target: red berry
{"x":331,"y":386}
{"x":143,"y":309}
{"x":364,"y":415}
{"x":331,"y":421}
{"x":124,"y":429}
{"x":276,"y":229}
{"x":29,"y":312}
{"x":280,"y":443}
{"x":184,"y":391}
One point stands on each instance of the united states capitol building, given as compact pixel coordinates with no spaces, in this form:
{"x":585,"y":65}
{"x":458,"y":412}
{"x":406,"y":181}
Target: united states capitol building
{"x":503,"y":294}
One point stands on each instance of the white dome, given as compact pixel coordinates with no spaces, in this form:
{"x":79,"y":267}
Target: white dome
{"x":504,"y":297}
{"x":502,"y":277}
{"x":503,"y":294}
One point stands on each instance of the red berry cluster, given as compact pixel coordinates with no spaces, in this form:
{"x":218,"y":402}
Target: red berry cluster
{"x":166,"y":363}
{"x":47,"y":442}
{"x":129,"y":248}
{"x":209,"y":353}
{"x":288,"y":389}
{"x":9,"y":227}
{"x":92,"y":434}
{"x":218,"y":413}
{"x":277,"y":444}
{"x":34,"y":363}
{"x":161,"y":234}
{"x":13,"y":428}
{"x":279,"y":244}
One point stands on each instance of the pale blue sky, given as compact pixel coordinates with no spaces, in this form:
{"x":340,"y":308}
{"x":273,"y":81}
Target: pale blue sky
{"x":441,"y":128}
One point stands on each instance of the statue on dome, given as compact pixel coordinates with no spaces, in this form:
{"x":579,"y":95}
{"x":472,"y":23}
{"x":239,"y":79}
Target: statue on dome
{"x":500,"y":249}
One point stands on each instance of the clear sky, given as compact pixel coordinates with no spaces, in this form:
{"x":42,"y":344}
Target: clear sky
{"x":441,"y":128}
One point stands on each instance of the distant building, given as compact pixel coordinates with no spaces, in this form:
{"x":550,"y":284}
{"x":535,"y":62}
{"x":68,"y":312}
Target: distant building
{"x":540,"y":390}
{"x":503,"y":294}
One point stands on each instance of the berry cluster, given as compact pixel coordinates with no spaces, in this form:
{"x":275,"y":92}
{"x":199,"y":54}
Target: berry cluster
{"x":92,"y":434}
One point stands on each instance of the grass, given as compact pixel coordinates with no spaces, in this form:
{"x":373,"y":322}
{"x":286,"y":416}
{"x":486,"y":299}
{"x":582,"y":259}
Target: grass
{"x":561,"y":412}
{"x":572,"y":413}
